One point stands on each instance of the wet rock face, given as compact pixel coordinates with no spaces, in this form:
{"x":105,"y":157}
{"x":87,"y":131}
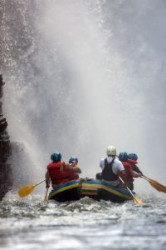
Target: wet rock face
{"x":5,"y":151}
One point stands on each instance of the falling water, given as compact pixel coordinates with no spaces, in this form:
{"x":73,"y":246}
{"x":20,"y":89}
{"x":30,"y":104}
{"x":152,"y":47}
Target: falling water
{"x":81,"y":75}
{"x":85,"y":74}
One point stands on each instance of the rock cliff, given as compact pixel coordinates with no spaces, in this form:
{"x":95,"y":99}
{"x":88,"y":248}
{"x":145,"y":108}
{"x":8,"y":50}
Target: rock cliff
{"x":5,"y":150}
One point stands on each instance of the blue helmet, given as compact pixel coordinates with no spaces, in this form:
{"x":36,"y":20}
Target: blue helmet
{"x":123,"y":156}
{"x":55,"y":157}
{"x":133,"y":156}
{"x":73,"y":158}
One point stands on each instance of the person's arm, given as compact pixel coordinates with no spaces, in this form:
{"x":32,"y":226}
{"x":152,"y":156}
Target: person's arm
{"x":136,"y":169}
{"x":75,"y":169}
{"x":121,"y":170}
{"x":136,"y":174}
{"x":47,"y":179}
{"x":122,"y":174}
{"x":101,"y":164}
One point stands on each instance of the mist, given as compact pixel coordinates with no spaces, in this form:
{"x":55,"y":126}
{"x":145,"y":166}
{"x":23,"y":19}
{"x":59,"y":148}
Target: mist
{"x":81,"y":75}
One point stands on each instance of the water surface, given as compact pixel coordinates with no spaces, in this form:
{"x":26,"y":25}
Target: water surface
{"x":32,"y":223}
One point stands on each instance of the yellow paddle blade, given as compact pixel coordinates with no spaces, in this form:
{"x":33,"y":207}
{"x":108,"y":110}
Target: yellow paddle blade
{"x":136,"y":201}
{"x":159,"y":187}
{"x":24,"y":191}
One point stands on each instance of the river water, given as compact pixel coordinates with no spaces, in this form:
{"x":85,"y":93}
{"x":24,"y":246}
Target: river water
{"x":32,"y":223}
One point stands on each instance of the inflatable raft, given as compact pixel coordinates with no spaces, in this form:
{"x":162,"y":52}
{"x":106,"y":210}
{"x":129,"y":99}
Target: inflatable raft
{"x":95,"y":189}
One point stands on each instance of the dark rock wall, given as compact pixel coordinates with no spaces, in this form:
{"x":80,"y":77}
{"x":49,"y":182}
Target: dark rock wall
{"x":5,"y":151}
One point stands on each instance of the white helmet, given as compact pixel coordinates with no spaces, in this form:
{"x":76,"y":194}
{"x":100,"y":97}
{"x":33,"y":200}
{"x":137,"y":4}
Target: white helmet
{"x":111,"y":150}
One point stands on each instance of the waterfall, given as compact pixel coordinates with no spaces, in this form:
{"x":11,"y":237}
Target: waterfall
{"x":81,"y":75}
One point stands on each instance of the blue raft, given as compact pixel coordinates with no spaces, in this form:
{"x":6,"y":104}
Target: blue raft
{"x":95,"y":189}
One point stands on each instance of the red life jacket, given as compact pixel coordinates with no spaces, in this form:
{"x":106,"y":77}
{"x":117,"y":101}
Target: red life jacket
{"x":132,"y":162}
{"x":134,"y":166}
{"x":73,"y":176}
{"x":57,"y":175}
{"x":128,"y":169}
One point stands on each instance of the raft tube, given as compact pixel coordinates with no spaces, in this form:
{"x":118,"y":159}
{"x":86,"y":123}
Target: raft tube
{"x":95,"y":189}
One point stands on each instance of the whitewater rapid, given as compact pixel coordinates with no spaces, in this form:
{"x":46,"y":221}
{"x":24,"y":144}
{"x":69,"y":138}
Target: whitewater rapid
{"x":85,"y":224}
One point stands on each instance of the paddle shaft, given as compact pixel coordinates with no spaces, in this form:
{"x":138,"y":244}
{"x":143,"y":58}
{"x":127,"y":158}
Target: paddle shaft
{"x":146,"y":178}
{"x":135,"y":199}
{"x":39,"y":183}
{"x":46,"y":195}
{"x":126,"y":186}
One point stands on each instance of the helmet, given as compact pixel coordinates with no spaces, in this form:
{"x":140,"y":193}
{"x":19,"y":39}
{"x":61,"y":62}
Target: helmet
{"x":72,"y":159}
{"x":55,"y":157}
{"x":123,"y":156}
{"x":133,"y":156}
{"x":111,"y":150}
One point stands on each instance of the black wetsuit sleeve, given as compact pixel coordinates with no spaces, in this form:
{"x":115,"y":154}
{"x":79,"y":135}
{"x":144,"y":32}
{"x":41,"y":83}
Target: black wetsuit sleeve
{"x":136,"y":169}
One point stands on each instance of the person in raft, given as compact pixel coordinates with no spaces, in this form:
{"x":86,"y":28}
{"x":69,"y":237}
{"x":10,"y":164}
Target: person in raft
{"x":73,"y":161}
{"x":112,"y":168}
{"x":129,"y":162}
{"x":59,"y":172}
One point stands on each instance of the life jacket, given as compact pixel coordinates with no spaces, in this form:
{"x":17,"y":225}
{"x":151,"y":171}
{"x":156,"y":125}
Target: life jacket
{"x":128,"y":170}
{"x":132,"y":162}
{"x":134,"y":166}
{"x":107,"y":173}
{"x":57,"y":175}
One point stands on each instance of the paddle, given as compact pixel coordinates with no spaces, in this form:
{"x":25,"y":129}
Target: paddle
{"x":46,"y":195}
{"x":26,"y":190}
{"x":136,"y":201}
{"x":159,"y":187}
